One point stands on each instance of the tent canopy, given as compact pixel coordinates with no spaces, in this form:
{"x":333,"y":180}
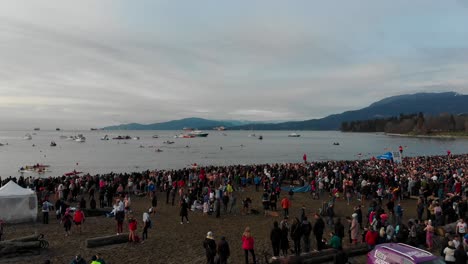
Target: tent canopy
{"x":17,"y":204}
{"x":386,"y":156}
{"x":11,"y":189}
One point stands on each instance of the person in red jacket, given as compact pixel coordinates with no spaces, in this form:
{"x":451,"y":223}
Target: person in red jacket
{"x":248,"y":245}
{"x":132,"y":227}
{"x":78,"y":218}
{"x":285,"y":204}
{"x":371,"y":238}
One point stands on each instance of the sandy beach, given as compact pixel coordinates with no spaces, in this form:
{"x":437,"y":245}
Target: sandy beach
{"x":169,"y":241}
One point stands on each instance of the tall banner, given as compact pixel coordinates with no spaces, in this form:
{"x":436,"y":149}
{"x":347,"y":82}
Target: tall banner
{"x":397,"y":156}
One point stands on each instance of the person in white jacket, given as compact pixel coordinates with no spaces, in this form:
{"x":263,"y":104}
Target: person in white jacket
{"x":449,"y":253}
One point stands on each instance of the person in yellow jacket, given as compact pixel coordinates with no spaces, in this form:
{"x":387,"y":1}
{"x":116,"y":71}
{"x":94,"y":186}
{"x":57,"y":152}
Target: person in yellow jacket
{"x":97,"y":260}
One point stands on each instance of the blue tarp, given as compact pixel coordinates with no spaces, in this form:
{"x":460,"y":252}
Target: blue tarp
{"x":297,"y":189}
{"x":386,"y":156}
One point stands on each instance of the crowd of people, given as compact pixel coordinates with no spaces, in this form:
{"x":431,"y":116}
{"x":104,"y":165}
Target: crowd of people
{"x":439,"y":182}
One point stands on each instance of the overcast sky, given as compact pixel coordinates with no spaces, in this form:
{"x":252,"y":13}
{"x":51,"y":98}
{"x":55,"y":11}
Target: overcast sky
{"x":89,"y":63}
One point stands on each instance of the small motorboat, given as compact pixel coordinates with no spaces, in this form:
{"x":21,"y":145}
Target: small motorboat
{"x":155,"y":136}
{"x":122,"y":137}
{"x":136,"y":138}
{"x":198,"y":133}
{"x":106,"y":137}
{"x":57,"y":129}
{"x":168,"y":142}
{"x":184,"y":136}
{"x":252,"y":135}
{"x":27,"y":137}
{"x":38,"y":168}
{"x":1,"y":144}
{"x":260,"y":137}
{"x":336,"y":143}
{"x":159,"y":150}
{"x":53,"y":144}
{"x":294,"y":135}
{"x":80,"y":138}
{"x":37,"y":129}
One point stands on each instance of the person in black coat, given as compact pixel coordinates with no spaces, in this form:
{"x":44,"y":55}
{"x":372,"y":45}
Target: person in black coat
{"x":275,"y":237}
{"x":339,"y":229}
{"x":306,"y":227}
{"x":319,"y":226}
{"x":210,"y":248}
{"x":296,"y":234}
{"x":284,"y":239}
{"x":223,"y":251}
{"x":460,"y":255}
{"x":183,"y":211}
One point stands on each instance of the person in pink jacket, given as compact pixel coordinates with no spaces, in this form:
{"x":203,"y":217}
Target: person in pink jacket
{"x":248,"y":245}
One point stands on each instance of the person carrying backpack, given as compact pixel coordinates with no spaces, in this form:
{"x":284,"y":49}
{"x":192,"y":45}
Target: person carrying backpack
{"x":46,"y":206}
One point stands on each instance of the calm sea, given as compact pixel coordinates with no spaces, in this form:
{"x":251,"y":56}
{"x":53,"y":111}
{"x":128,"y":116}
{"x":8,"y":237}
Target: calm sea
{"x":219,"y":148}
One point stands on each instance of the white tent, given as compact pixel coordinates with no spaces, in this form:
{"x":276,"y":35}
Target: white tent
{"x":17,"y":204}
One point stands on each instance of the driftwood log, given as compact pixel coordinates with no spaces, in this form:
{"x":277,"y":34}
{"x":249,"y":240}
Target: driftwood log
{"x":27,"y":238}
{"x":321,"y":256}
{"x":19,"y":248}
{"x":106,"y":240}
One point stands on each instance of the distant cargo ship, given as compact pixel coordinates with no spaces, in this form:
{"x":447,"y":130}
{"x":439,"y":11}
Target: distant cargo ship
{"x":57,"y":129}
{"x":92,"y":129}
{"x":36,"y":129}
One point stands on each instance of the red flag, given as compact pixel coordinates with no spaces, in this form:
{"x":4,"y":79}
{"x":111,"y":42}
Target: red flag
{"x":304,"y":157}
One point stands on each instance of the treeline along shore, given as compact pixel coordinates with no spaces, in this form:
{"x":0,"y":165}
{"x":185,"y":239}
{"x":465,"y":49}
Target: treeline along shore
{"x":412,"y":124}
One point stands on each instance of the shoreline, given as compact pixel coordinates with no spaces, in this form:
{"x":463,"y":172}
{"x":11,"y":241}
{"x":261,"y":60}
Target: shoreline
{"x":211,"y":166}
{"x":427,"y":136}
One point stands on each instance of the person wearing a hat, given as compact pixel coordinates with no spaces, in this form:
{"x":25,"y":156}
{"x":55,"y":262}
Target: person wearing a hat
{"x":210,"y":248}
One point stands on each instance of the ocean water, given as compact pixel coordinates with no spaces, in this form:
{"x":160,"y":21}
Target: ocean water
{"x":219,"y":148}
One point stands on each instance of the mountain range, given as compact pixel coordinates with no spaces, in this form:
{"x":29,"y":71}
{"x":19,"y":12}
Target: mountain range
{"x":427,"y":103}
